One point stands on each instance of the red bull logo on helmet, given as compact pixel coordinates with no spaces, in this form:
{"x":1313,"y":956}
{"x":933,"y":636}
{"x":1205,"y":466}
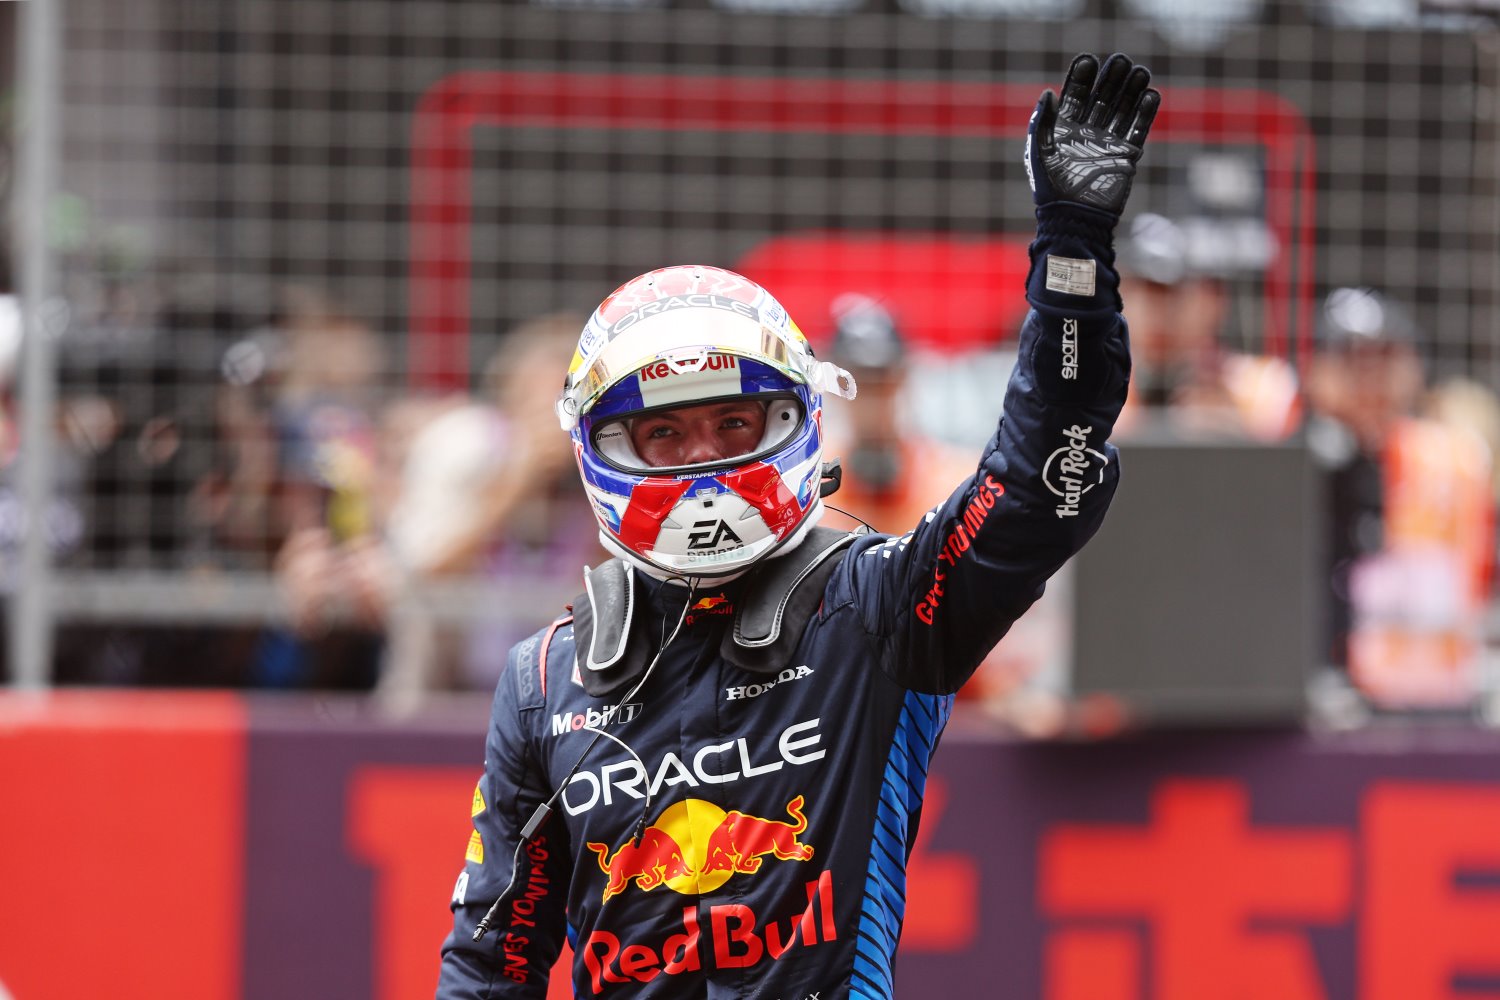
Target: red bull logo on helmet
{"x":707,"y":363}
{"x":685,"y":380}
{"x":719,"y":845}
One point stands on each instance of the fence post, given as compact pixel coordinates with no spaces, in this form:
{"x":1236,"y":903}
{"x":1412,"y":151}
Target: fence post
{"x":30,"y":634}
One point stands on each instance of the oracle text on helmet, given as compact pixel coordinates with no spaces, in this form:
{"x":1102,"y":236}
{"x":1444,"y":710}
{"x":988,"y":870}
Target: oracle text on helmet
{"x":697,"y":300}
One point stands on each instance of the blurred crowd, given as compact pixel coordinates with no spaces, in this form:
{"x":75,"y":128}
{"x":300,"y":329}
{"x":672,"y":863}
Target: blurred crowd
{"x":1408,"y":484}
{"x":206,"y":453}
{"x":1409,"y":481}
{"x":299,"y":459}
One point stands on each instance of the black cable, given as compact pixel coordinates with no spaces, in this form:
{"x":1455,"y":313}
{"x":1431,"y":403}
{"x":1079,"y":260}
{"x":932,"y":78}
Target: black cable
{"x":870,"y":528}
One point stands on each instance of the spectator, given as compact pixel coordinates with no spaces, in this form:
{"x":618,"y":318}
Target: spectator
{"x":138,"y":424}
{"x":1183,"y":377}
{"x":457,"y":489}
{"x":323,"y":411}
{"x":1465,"y":403}
{"x":489,"y":488}
{"x":892,"y":474}
{"x":1409,"y":511}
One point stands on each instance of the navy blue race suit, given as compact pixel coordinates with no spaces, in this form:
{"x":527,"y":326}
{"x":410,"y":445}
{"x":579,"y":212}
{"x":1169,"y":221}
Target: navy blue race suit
{"x":784,"y":809}
{"x":758,"y":847}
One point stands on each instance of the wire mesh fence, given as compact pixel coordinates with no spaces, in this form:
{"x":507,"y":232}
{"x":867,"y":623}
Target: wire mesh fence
{"x":288,"y":232}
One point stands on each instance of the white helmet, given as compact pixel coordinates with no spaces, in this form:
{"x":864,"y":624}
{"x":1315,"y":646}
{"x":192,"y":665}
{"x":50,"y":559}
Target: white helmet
{"x":689,"y":336}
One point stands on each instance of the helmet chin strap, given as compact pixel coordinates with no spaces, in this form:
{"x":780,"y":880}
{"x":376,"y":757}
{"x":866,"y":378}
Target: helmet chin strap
{"x":684,"y":579}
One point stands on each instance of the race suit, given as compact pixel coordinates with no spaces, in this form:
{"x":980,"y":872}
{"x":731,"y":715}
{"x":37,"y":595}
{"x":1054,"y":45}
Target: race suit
{"x":783,"y":808}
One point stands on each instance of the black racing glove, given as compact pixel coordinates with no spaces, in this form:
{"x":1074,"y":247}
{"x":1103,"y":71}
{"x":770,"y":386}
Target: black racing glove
{"x":1081,"y":153}
{"x":1083,"y":149}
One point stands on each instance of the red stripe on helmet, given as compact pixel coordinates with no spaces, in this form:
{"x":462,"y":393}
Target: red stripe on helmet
{"x":763,"y":488}
{"x":650,"y":503}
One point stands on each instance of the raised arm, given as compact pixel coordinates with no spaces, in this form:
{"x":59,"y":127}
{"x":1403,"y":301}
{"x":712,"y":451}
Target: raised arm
{"x":944,"y":594}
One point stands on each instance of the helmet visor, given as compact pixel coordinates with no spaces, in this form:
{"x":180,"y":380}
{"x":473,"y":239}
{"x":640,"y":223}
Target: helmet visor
{"x":699,"y":436}
{"x":691,"y":341}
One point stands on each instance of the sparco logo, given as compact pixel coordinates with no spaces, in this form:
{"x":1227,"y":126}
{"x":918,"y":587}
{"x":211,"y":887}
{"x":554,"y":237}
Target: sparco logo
{"x":1070,"y":349}
{"x":571,"y":722}
{"x":756,"y":690}
{"x":1074,"y":469}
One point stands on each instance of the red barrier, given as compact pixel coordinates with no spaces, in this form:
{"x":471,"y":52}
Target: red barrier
{"x":184,"y":847}
{"x":122,"y":831}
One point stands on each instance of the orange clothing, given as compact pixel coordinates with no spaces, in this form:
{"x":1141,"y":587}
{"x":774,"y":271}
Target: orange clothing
{"x":929,"y":472}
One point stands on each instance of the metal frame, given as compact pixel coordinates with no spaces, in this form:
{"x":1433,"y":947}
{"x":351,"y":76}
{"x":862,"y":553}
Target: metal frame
{"x":31,"y":608}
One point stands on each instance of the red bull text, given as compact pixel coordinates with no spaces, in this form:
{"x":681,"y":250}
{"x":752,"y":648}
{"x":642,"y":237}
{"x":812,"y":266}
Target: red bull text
{"x":665,"y":369}
{"x":736,"y":938}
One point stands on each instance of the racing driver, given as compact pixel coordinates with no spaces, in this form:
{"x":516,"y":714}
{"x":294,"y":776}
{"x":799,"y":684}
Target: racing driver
{"x":707,"y":776}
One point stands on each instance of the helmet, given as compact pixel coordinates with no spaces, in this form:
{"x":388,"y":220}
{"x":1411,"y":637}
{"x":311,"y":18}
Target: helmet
{"x":689,"y":336}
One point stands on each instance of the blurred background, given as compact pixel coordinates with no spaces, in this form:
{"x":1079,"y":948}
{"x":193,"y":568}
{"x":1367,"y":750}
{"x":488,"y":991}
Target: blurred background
{"x":289,"y":291}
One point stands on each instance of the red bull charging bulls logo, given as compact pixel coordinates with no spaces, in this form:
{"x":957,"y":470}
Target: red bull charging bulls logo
{"x":720,"y":844}
{"x":709,"y":603}
{"x":716,"y":604}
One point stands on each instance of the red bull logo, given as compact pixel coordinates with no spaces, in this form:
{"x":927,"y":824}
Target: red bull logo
{"x":651,"y":861}
{"x":740,"y":843}
{"x":666,"y":369}
{"x":737,"y":937}
{"x":722,"y":844}
{"x":715,"y":605}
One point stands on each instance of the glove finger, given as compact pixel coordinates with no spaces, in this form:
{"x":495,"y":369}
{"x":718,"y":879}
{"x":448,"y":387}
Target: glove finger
{"x":1107,"y":92}
{"x":1150,"y":103}
{"x":1076,"y":87}
{"x":1046,"y":119}
{"x":1130,"y":96}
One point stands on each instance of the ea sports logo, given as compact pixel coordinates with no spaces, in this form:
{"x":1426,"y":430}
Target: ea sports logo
{"x":713,"y":534}
{"x":708,"y":527}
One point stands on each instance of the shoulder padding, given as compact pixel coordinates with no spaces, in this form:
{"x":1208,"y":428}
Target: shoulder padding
{"x":781,"y":597}
{"x":606,"y":646}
